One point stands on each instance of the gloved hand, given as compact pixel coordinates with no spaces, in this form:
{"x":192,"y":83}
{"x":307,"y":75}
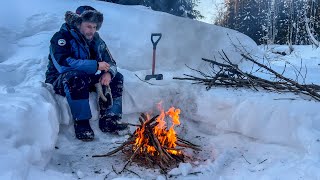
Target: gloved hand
{"x":104,"y":97}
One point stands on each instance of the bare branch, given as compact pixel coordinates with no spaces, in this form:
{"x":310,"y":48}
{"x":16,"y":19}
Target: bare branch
{"x":229,"y":74}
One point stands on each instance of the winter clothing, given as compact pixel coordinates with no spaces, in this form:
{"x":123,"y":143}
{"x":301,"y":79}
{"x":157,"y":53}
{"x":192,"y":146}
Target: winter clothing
{"x":111,"y":125}
{"x":76,"y":85}
{"x":106,"y":92}
{"x":114,"y":113}
{"x":84,"y":14}
{"x":109,"y":116}
{"x":83,"y":130}
{"x":69,"y":50}
{"x":81,"y":9}
{"x":72,"y":67}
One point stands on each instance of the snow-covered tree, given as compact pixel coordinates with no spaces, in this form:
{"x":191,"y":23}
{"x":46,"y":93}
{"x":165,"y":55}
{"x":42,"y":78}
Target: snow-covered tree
{"x":184,"y":8}
{"x":274,"y":21}
{"x":246,"y":16}
{"x":311,"y":21}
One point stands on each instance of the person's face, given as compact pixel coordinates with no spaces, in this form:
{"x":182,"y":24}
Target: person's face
{"x":88,"y":29}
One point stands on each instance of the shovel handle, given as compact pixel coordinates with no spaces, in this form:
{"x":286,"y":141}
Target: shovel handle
{"x":159,"y":35}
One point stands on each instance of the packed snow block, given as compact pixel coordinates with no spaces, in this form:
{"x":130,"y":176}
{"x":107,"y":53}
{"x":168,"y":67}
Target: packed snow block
{"x":29,"y":130}
{"x":61,"y":105}
{"x":65,"y":116}
{"x":290,"y":123}
{"x":7,"y":49}
{"x":63,"y":109}
{"x":183,"y":41}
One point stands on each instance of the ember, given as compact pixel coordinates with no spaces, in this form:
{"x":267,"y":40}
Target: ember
{"x":153,"y":143}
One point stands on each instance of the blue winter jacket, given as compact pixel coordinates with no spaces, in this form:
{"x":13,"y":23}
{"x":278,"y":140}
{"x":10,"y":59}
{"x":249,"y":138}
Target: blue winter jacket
{"x":69,"y":50}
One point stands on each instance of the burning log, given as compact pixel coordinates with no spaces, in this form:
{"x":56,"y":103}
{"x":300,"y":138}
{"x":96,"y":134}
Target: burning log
{"x":153,"y":144}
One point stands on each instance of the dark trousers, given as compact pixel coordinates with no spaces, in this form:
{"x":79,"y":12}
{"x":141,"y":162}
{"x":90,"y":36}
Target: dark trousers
{"x":76,"y":85}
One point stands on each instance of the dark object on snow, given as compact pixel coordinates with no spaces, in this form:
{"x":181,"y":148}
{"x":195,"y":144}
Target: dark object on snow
{"x":83,"y":130}
{"x":157,"y":76}
{"x":110,"y":124}
{"x":281,"y":53}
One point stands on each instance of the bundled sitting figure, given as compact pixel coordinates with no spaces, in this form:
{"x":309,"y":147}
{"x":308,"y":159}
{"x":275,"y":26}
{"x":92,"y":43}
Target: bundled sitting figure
{"x":79,"y":63}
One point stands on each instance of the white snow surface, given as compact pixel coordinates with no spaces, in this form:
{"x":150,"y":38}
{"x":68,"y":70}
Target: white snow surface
{"x":243,"y":134}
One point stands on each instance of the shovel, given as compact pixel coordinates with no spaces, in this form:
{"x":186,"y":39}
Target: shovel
{"x":157,"y":76}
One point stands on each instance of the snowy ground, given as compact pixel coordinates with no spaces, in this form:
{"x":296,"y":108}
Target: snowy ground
{"x":243,"y":134}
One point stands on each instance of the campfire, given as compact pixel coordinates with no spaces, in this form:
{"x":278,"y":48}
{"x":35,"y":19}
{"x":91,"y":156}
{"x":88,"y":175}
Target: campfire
{"x":155,"y":143}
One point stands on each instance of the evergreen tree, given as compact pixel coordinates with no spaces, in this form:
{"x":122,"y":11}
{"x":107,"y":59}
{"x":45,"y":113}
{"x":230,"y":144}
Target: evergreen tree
{"x":249,"y":19}
{"x":317,"y":17}
{"x":229,"y":19}
{"x":299,"y":27}
{"x":261,"y":20}
{"x":183,"y":8}
{"x":312,"y":11}
{"x":273,"y":21}
{"x":246,"y":16}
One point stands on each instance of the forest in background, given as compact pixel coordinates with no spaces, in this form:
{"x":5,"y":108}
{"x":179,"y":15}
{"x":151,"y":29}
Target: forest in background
{"x":291,"y":22}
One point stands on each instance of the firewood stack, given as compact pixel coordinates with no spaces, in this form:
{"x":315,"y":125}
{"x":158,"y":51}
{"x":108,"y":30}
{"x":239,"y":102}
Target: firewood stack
{"x":228,"y":74}
{"x":152,"y":144}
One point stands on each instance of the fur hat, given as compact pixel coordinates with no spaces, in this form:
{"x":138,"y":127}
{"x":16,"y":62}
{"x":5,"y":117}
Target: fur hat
{"x":84,"y":15}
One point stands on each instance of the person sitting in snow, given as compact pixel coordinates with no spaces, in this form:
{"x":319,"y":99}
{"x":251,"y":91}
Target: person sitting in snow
{"x":77,"y":55}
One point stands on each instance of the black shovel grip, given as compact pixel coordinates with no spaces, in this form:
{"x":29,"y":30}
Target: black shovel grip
{"x":159,"y":35}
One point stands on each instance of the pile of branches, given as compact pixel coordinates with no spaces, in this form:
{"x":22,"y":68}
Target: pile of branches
{"x":161,"y":158}
{"x":228,"y":74}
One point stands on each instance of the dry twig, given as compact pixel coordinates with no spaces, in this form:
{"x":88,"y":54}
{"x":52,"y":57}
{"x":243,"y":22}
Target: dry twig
{"x":230,"y":75}
{"x":162,"y":157}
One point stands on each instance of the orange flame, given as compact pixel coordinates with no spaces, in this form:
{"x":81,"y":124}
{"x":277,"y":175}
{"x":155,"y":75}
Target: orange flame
{"x":167,"y":138}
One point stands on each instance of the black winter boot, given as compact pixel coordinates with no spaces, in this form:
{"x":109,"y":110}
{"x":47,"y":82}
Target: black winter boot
{"x":111,"y":124}
{"x":83,"y":130}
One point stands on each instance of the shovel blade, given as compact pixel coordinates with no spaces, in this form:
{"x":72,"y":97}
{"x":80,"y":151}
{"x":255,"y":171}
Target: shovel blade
{"x":156,"y":76}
